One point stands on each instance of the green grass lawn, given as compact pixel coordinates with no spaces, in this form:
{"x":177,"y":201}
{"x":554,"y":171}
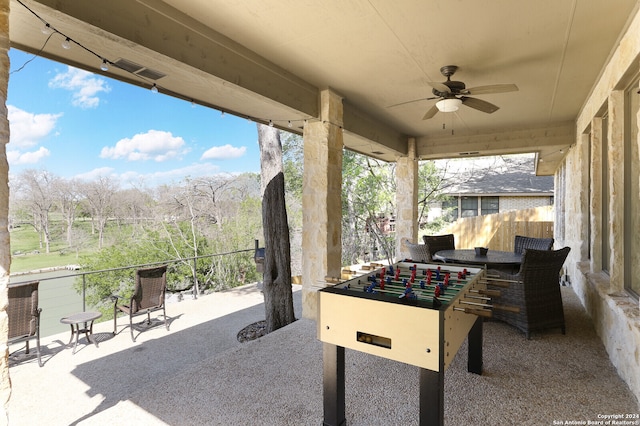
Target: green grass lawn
{"x":28,"y":256}
{"x":31,"y":262}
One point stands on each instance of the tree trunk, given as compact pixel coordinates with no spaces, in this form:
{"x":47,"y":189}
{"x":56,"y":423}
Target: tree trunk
{"x":278,"y":296}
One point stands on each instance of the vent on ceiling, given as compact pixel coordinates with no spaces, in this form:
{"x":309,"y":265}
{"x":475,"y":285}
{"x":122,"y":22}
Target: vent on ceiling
{"x":151,"y":74}
{"x":138,"y":69}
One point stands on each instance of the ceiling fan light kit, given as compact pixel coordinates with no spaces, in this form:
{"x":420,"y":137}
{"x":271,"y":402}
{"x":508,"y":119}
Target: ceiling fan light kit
{"x":451,"y":94}
{"x":448,"y":105}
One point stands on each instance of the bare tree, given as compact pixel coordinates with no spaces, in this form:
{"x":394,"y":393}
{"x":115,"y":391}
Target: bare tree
{"x":278,"y":297}
{"x":98,"y":195}
{"x":38,"y":188}
{"x":132,"y":206}
{"x":67,"y":198}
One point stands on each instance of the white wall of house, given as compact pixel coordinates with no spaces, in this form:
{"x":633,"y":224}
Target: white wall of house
{"x":507,"y":203}
{"x":594,"y":213}
{"x":520,"y":203}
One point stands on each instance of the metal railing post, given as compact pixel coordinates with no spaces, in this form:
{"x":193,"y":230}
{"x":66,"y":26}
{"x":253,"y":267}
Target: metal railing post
{"x":84,"y":292}
{"x":195,"y":278}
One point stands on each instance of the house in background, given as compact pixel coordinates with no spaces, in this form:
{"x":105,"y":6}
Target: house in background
{"x":488,"y":185}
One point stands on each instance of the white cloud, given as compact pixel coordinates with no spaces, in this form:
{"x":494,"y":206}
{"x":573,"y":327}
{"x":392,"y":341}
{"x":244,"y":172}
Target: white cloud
{"x":155,"y":144}
{"x":132,"y":178}
{"x":95,"y":174}
{"x":225,"y":152}
{"x":173,"y":175}
{"x":16,"y":157}
{"x":27,"y":129}
{"x":84,"y":85}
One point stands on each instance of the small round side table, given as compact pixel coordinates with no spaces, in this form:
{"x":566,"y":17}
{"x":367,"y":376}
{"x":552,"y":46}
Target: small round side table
{"x":75,"y":320}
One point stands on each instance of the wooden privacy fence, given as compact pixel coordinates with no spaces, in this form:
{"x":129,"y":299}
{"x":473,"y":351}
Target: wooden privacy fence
{"x":497,"y":231}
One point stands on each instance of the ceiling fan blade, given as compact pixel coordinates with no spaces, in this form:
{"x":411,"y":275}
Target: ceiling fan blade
{"x":410,"y":102}
{"x":494,"y":88}
{"x":440,"y":87}
{"x":480,"y":105}
{"x":430,"y":113}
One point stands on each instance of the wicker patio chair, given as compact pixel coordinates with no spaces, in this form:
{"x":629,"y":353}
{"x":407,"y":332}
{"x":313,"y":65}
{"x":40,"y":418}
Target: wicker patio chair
{"x":148,"y":296}
{"x":418,"y":252}
{"x":534,"y":291}
{"x":522,"y":243}
{"x":24,"y":315}
{"x":435,"y":243}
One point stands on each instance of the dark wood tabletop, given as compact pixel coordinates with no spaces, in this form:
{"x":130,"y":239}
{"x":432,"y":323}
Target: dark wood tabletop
{"x":493,"y":258}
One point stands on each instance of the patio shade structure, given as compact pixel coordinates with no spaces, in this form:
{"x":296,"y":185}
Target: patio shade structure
{"x":360,"y":75}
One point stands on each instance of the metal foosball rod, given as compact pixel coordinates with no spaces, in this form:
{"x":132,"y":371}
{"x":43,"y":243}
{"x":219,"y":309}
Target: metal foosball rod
{"x":478,"y":312}
{"x":490,"y":293}
{"x":498,"y":307}
{"x":498,"y":283}
{"x":498,"y":278}
{"x":470,"y":296}
{"x":425,"y":292}
{"x":482,"y":305}
{"x":508,"y":308}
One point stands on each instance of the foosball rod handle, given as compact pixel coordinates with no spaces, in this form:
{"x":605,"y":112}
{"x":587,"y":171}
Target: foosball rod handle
{"x":508,"y":308}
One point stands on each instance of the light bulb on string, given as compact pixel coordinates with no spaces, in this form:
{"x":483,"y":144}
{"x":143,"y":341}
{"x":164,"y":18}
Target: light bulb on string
{"x":154,"y":88}
{"x":105,"y":66}
{"x":47,"y":30}
{"x":66,"y":44}
{"x":270,"y":123}
{"x":290,"y":125}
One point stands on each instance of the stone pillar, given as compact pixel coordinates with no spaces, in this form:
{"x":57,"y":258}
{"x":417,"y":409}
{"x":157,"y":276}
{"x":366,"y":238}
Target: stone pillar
{"x":596,"y":194}
{"x":616,"y":189}
{"x":406,"y":199}
{"x":5,"y":251}
{"x":322,"y":201}
{"x":582,"y":170}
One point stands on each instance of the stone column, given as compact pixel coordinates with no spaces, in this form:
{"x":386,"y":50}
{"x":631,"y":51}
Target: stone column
{"x":5,"y":251}
{"x":596,"y":195}
{"x":322,"y":201}
{"x":582,"y":170}
{"x":616,"y":189}
{"x":406,"y":199}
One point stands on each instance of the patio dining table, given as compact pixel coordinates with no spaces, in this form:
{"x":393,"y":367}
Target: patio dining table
{"x":492,"y":259}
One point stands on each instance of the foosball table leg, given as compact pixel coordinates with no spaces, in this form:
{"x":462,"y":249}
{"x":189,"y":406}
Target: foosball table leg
{"x":333,"y":384}
{"x":474,"y":363}
{"x":431,"y":397}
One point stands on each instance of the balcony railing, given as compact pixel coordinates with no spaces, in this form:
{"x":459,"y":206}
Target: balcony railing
{"x":58,"y":296}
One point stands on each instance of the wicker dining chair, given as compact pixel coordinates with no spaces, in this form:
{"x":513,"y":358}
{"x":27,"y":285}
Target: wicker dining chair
{"x":435,"y":243}
{"x":418,"y":252}
{"x":522,"y":243}
{"x":148,"y":296}
{"x":534,"y":292}
{"x":24,"y":315}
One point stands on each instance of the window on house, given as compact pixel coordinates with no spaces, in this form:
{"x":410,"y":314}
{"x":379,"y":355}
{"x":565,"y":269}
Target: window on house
{"x":469,"y":206}
{"x":489,"y":205}
{"x":631,"y":192}
{"x":606,"y":251}
{"x":450,"y":209}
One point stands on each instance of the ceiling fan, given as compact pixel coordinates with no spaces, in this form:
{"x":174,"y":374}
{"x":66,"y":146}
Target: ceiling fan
{"x":452,"y":94}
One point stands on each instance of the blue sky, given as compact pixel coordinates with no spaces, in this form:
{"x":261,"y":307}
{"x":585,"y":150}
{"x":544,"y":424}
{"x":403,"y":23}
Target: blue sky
{"x":76,"y":124}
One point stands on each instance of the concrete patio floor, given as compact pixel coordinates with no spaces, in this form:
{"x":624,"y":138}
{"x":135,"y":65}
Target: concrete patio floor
{"x":199,"y":374}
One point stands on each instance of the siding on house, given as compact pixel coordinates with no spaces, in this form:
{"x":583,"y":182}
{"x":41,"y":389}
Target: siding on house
{"x":520,"y":203}
{"x":510,"y":178}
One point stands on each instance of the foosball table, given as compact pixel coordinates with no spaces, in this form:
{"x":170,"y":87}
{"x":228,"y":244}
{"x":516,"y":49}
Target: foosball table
{"x":416,"y":313}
